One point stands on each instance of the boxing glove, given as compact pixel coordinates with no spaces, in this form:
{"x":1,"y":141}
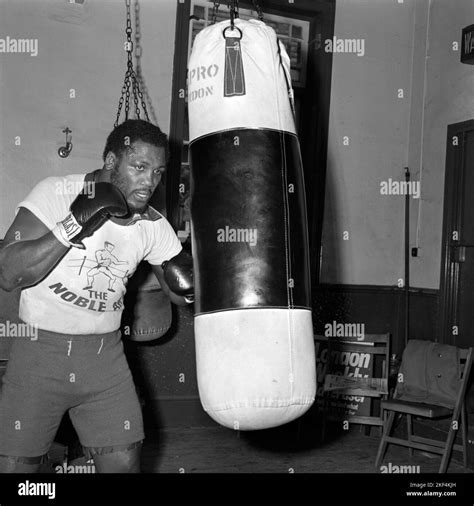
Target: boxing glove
{"x":89,"y":211}
{"x":178,"y":273}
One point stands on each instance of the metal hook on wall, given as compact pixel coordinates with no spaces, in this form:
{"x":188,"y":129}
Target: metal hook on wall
{"x":64,"y":151}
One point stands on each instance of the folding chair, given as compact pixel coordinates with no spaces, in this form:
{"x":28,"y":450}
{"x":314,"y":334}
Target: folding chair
{"x":376,"y":345}
{"x":432,"y":384}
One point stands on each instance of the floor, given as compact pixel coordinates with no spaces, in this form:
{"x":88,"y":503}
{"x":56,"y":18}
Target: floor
{"x":292,"y":448}
{"x":241,"y":458}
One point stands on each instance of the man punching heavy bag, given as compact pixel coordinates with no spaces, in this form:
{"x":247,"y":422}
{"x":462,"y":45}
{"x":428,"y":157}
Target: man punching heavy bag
{"x":254,"y":336}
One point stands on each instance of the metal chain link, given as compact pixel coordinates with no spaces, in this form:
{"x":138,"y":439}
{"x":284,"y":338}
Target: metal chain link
{"x":135,"y":95}
{"x":131,"y":79}
{"x":234,"y":12}
{"x":138,"y":35}
{"x":215,"y":8}
{"x":138,"y":73}
{"x":233,"y":6}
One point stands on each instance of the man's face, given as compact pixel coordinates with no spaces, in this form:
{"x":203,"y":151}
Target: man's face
{"x":137,"y":173}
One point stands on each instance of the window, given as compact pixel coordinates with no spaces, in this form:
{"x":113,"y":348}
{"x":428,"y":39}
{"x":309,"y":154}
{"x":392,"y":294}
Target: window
{"x":294,"y":33}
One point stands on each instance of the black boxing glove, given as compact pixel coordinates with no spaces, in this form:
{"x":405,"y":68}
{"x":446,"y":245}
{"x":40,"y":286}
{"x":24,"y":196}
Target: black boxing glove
{"x":178,"y":273}
{"x":90,"y":210}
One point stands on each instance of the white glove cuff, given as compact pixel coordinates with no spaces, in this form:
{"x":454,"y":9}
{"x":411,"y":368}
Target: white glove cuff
{"x":66,"y":230}
{"x":189,"y":299}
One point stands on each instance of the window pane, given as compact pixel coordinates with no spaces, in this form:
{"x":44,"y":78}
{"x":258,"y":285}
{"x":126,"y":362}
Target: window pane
{"x":200,"y":12}
{"x":297,"y":32}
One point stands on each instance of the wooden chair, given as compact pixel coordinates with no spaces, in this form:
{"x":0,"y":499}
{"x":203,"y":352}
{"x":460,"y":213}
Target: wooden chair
{"x":375,"y":345}
{"x":456,"y":409}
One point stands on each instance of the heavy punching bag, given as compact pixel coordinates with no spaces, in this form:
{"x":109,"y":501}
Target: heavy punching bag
{"x":253,"y":329}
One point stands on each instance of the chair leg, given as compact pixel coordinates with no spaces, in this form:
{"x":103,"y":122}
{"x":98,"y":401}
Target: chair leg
{"x":383,"y":418}
{"x":448,"y":447}
{"x":464,"y":427}
{"x":383,"y":443}
{"x":410,"y":432}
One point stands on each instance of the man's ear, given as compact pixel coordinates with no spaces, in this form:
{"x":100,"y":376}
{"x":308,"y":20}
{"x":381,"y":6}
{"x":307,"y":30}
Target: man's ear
{"x":110,"y":160}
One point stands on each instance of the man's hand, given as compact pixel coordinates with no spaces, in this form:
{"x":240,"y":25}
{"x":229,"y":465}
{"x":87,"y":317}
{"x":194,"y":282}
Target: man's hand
{"x":89,"y":213}
{"x":178,"y":282}
{"x":178,"y":274}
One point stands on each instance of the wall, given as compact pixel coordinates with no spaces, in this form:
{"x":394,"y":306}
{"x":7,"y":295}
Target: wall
{"x":80,"y":47}
{"x":365,"y":108}
{"x":408,"y":46}
{"x":448,"y":100}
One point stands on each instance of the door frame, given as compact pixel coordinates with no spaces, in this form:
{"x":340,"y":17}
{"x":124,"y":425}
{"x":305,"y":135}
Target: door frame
{"x":452,"y":220}
{"x":317,"y":96}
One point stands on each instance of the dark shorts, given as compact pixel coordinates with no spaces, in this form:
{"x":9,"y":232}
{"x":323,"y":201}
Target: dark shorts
{"x":85,"y":374}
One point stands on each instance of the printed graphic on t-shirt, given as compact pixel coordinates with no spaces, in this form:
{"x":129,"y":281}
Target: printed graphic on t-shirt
{"x":101,"y":275}
{"x":106,"y":263}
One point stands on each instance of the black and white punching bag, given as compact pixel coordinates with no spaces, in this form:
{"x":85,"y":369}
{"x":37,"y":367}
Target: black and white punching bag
{"x":253,"y":329}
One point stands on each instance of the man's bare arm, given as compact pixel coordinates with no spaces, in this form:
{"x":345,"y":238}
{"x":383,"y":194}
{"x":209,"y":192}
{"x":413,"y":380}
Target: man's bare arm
{"x":29,"y":252}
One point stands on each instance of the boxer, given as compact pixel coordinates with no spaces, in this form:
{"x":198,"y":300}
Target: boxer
{"x":58,"y":250}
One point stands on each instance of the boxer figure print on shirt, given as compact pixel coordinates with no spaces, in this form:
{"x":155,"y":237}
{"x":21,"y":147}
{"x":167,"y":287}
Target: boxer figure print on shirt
{"x":105,"y":259}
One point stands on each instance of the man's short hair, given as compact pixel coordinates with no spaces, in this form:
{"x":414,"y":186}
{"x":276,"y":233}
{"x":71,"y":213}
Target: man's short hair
{"x":132,"y":130}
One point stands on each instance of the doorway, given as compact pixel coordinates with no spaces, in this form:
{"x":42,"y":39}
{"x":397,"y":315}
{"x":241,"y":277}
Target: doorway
{"x":456,"y":325}
{"x":457,"y":267}
{"x":312,"y":101}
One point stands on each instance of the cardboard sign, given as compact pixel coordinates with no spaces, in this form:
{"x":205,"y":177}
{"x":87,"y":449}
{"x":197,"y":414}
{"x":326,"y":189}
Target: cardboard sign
{"x":348,"y":364}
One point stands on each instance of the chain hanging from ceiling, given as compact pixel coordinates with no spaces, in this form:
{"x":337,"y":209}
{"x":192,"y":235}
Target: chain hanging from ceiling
{"x":131,"y":80}
{"x":138,"y":65}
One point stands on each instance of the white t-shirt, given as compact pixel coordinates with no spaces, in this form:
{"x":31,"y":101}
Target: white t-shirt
{"x":83,"y":294}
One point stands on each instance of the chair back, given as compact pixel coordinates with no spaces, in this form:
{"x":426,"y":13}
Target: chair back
{"x":432,"y":373}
